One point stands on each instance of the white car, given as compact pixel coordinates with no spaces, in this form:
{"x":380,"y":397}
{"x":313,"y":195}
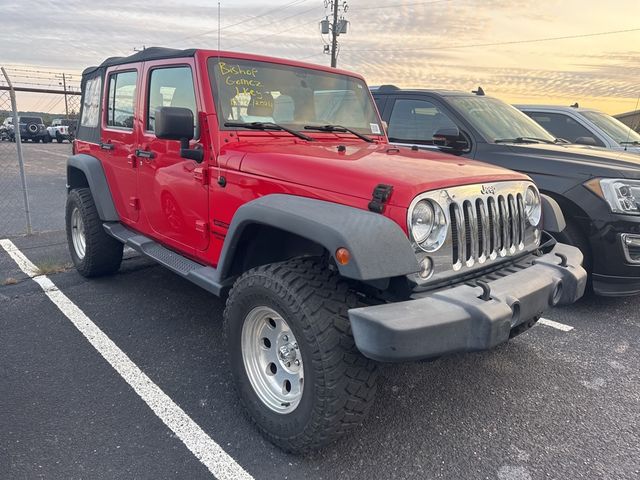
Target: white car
{"x":61,"y":129}
{"x":584,"y":126}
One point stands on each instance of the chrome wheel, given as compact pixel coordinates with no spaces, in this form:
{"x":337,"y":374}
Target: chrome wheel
{"x":77,"y":234}
{"x":272,"y":360}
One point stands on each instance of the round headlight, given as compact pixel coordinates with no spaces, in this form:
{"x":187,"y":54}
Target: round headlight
{"x":428,"y":225}
{"x":532,"y":206}
{"x":422,"y":221}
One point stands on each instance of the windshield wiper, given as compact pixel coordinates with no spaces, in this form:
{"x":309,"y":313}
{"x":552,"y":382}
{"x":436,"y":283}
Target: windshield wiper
{"x":634,"y":142}
{"x":524,"y":140}
{"x":268,"y":126}
{"x":338,"y":128}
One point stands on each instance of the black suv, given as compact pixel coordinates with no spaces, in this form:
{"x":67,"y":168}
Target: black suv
{"x":32,"y":128}
{"x":598,"y":190}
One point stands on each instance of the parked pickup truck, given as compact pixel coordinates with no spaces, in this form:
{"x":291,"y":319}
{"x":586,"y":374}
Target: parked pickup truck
{"x":271,"y":183}
{"x":597,"y":189}
{"x":61,"y":129}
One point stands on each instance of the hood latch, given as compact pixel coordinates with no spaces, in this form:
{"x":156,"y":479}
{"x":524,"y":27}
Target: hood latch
{"x":381,"y":195}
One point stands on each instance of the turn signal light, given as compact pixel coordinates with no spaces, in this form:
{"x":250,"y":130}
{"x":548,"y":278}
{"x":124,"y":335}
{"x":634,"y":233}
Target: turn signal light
{"x":343,"y":256}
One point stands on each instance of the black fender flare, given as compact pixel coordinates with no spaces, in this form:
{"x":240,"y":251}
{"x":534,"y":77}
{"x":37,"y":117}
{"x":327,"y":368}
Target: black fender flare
{"x":378,"y":246}
{"x":552,"y":217}
{"x":97,"y":181}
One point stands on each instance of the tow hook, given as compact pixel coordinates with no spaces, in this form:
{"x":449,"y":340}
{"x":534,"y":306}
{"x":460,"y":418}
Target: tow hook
{"x":563,"y":259}
{"x":486,"y":290}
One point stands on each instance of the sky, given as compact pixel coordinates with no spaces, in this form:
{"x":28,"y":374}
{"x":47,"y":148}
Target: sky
{"x":453,"y":44}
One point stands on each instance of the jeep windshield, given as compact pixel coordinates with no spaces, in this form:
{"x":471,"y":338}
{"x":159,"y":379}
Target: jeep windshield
{"x":249,"y":91}
{"x":499,"y":122}
{"x":613,"y":127}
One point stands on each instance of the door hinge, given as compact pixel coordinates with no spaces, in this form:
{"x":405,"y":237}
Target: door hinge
{"x":381,"y":195}
{"x":201,"y":174}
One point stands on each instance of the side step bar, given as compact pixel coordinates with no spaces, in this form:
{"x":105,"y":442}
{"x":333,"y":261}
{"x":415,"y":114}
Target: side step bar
{"x":202,"y":275}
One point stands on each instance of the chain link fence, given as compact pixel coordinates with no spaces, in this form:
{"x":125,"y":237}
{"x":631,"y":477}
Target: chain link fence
{"x":33,"y":168}
{"x":15,"y":216}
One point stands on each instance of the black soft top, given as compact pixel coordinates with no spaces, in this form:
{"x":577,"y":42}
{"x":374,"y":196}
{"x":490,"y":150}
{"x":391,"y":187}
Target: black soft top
{"x":148,"y":54}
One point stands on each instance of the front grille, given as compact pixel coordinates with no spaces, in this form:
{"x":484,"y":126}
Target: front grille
{"x":486,"y":228}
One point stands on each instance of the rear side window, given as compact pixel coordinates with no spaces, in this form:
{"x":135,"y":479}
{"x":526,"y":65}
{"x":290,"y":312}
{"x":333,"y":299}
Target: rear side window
{"x":562,"y":126}
{"x":121,"y":99}
{"x":91,"y":103}
{"x":170,"y":87}
{"x":416,"y":121}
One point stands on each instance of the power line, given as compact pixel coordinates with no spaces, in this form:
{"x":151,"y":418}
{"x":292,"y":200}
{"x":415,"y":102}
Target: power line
{"x":275,"y":34}
{"x":33,"y":69}
{"x":496,"y":44}
{"x":268,"y":12}
{"x":397,"y":5}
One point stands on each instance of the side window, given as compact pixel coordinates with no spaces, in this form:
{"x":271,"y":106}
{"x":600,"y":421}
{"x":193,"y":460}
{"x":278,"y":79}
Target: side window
{"x":121,"y":99}
{"x":91,"y":103}
{"x":562,"y":126}
{"x":380,"y":102}
{"x":170,"y":87}
{"x":416,"y":121}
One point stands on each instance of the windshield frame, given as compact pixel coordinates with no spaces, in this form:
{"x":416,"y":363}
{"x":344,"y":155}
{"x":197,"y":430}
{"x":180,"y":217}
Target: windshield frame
{"x":212,"y":63}
{"x":537,"y":131}
{"x":603,"y":122}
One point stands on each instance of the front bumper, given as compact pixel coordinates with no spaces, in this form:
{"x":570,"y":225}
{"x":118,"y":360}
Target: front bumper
{"x":459,"y":320}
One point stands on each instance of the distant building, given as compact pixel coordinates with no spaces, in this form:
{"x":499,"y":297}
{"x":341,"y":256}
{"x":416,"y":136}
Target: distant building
{"x":632,"y":119}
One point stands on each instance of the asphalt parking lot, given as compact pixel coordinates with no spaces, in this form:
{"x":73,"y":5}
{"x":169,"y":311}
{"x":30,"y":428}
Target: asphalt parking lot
{"x":561,"y":401}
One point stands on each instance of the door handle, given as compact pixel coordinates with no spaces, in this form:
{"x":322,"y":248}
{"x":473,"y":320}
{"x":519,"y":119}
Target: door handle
{"x":145,"y":154}
{"x":107,"y":146}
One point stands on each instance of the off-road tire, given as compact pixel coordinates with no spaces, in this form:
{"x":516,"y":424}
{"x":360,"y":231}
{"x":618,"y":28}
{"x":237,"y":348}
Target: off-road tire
{"x":103,"y":254}
{"x":339,"y":383}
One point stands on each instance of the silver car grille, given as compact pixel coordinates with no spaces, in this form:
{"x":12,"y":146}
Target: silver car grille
{"x":485,"y":228}
{"x":487,"y":224}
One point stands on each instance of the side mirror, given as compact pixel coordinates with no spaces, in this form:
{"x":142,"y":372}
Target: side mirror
{"x":586,"y":141}
{"x":176,"y":123}
{"x":449,"y":137}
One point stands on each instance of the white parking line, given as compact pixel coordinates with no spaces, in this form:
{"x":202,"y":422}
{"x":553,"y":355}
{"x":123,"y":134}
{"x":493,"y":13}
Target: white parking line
{"x":51,"y":153}
{"x":558,"y":325}
{"x":219,"y":463}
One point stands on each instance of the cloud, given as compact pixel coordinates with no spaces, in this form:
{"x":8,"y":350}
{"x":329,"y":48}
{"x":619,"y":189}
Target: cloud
{"x":605,"y":66}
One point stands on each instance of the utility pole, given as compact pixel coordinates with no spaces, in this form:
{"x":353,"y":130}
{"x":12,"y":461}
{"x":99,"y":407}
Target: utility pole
{"x":64,"y":89}
{"x":334,"y":36}
{"x":335,"y":27}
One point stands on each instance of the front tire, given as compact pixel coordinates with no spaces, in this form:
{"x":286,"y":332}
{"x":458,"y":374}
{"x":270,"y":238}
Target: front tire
{"x":297,"y":370}
{"x":92,"y":250}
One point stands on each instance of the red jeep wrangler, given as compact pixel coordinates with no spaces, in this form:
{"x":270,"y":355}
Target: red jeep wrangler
{"x":272,"y":182}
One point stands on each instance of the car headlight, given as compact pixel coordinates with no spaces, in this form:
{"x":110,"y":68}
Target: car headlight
{"x":428,"y":225}
{"x":532,"y":206}
{"x":623,"y":196}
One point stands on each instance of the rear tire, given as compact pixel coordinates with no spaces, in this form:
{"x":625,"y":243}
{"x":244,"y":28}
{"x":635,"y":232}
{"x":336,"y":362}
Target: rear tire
{"x":337,"y":383}
{"x":92,"y":250}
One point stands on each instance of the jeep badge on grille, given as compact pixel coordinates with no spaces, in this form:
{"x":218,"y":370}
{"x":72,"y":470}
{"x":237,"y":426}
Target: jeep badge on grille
{"x":488,"y":190}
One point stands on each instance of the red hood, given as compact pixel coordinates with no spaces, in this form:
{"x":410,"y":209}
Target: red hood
{"x":362,"y":166}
